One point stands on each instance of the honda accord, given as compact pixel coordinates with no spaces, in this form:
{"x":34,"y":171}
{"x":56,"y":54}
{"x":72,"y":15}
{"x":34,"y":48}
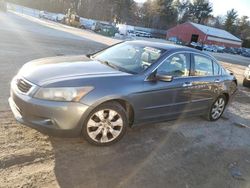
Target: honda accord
{"x":99,"y":95}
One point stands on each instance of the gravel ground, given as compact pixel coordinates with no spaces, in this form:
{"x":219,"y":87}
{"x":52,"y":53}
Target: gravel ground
{"x":185,"y":153}
{"x":182,"y":153}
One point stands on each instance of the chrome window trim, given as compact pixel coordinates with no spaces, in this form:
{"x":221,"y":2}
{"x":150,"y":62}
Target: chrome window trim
{"x":190,"y":52}
{"x":219,"y":73}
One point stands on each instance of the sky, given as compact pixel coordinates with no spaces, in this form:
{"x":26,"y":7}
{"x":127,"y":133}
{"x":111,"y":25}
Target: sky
{"x":222,"y":6}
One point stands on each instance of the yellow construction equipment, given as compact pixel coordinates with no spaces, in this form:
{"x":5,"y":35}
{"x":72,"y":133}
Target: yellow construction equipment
{"x":72,"y":19}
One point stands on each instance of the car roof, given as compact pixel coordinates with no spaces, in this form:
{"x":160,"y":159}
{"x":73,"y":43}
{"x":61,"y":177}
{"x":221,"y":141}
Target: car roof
{"x":161,"y":45}
{"x":168,"y":47}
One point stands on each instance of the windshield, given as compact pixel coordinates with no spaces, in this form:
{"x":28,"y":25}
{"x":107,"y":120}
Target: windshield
{"x":129,"y":57}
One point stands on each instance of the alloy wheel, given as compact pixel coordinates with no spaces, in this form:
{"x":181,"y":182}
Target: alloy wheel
{"x":218,"y":108}
{"x":104,"y":126}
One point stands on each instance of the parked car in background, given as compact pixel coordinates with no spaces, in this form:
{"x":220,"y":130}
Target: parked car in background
{"x":230,"y":50}
{"x":175,"y":40}
{"x":51,"y":16}
{"x":238,"y":51}
{"x":246,"y":81}
{"x":100,"y":95}
{"x":45,"y":15}
{"x":104,"y":28}
{"x":210,"y":48}
{"x":143,"y":34}
{"x":220,"y":49}
{"x":196,"y":45}
{"x":60,"y":18}
{"x":131,"y":33}
{"x":246,"y":54}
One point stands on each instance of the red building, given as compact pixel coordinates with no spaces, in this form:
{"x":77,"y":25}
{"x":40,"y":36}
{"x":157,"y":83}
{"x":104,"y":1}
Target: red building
{"x":191,"y":32}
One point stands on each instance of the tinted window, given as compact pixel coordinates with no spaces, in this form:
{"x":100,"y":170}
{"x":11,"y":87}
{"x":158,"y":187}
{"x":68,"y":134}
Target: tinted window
{"x":203,"y":66}
{"x":177,"y":65}
{"x":216,"y":69}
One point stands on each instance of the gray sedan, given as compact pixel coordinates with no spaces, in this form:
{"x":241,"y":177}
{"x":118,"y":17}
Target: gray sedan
{"x":99,"y":95}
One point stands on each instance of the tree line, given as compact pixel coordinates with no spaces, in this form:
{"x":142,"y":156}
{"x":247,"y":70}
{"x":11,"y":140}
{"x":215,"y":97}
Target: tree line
{"x":159,"y":14}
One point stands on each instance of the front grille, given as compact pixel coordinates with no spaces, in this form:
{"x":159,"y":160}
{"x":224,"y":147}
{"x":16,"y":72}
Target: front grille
{"x":23,"y":86}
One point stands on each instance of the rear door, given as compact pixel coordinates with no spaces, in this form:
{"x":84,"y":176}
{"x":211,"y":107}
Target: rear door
{"x":204,"y":82}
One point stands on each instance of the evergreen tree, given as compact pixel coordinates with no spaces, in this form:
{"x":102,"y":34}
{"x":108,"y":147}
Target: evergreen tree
{"x":230,"y":23}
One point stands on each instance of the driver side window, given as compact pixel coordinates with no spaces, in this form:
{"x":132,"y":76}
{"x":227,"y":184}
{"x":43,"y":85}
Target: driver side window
{"x":177,"y":65}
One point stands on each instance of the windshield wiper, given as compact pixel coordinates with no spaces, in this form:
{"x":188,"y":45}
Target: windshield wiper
{"x":110,"y":65}
{"x":118,"y":68}
{"x":115,"y":66}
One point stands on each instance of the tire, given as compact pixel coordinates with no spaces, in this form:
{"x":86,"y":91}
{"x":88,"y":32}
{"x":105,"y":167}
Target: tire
{"x":82,"y":27}
{"x":106,"y":124}
{"x":246,"y":83}
{"x":218,"y":108}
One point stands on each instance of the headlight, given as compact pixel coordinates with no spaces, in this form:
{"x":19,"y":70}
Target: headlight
{"x":63,"y":93}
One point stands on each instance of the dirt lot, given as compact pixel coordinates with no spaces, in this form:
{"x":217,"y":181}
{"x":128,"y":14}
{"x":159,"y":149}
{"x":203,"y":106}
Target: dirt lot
{"x":185,"y":153}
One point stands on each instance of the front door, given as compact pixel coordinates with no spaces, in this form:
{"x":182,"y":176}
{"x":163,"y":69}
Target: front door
{"x":163,"y":99}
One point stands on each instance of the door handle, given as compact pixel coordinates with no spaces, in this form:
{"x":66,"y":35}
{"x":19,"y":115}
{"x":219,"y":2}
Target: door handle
{"x":187,"y":84}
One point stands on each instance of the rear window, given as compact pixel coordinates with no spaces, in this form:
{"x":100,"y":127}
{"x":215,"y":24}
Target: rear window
{"x":216,"y":69}
{"x":203,"y":66}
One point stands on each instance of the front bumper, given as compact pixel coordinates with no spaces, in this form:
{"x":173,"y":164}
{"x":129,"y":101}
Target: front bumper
{"x":50,"y":117}
{"x":247,"y":77}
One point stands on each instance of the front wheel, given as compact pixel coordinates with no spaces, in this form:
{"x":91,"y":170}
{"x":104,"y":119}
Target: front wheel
{"x":106,"y":124}
{"x":217,"y":108}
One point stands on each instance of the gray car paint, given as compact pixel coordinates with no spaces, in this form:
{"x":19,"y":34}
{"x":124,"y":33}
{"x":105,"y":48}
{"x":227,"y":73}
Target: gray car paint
{"x":151,"y":101}
{"x":46,"y":72}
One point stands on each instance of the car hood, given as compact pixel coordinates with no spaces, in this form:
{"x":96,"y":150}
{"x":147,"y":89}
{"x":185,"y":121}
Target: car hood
{"x":49,"y":70}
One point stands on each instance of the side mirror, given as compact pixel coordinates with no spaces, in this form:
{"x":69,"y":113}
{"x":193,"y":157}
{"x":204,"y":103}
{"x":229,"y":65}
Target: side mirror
{"x":163,"y":77}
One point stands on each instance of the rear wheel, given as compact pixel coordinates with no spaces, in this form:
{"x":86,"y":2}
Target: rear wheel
{"x":217,"y":108}
{"x":106,"y":124}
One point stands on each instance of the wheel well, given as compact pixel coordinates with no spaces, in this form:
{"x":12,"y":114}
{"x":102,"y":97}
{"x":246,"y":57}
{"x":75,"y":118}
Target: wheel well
{"x":127,"y":107}
{"x":227,"y":96}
